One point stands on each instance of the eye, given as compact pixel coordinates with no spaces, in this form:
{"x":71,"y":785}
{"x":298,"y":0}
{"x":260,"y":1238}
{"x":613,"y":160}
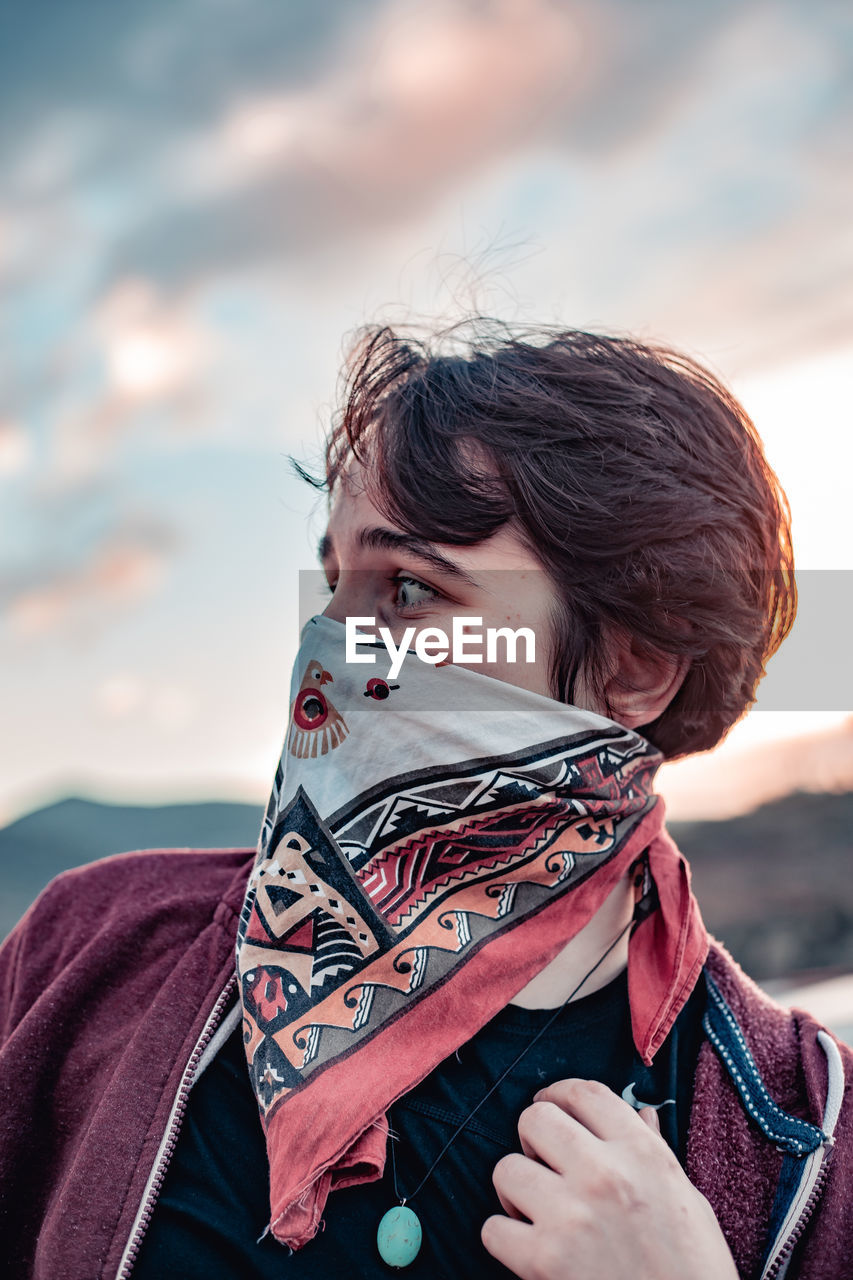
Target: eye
{"x":411,"y":594}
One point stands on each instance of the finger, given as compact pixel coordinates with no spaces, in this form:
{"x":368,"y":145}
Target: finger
{"x":593,"y":1105}
{"x":547,"y":1133}
{"x":511,"y":1211}
{"x":511,"y":1243}
{"x":525,"y":1187}
{"x":506,"y":1204}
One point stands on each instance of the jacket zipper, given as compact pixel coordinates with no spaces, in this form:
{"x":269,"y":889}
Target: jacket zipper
{"x":777,"y":1266}
{"x":783,"y":1256}
{"x":170,"y":1138}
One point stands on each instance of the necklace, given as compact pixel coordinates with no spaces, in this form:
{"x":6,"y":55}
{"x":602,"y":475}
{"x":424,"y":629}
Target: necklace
{"x":399,"y":1234}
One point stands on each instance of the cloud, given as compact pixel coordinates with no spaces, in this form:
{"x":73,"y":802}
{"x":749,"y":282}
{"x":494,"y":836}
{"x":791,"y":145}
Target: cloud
{"x":153,"y":349}
{"x":159,"y":60}
{"x":15,"y":449}
{"x":425,"y":95}
{"x":429,"y":91}
{"x":424,"y":92}
{"x":121,"y":570}
{"x":214,"y":145}
{"x":169,"y":708}
{"x":145,"y":354}
{"x":696,"y":157}
{"x":118,"y":696}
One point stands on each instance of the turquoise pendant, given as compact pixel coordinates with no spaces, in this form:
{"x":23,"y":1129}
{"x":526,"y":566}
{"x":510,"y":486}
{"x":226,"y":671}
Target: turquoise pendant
{"x":398,"y":1237}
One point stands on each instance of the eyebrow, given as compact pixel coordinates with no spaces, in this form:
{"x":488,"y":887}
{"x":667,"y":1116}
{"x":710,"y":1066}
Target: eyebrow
{"x":379,"y":538}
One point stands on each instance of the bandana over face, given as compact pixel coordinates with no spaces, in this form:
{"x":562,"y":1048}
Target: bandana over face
{"x":430,"y":844}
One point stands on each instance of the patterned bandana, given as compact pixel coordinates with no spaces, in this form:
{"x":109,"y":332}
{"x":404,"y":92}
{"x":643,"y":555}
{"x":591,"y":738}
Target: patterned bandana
{"x":430,"y":844}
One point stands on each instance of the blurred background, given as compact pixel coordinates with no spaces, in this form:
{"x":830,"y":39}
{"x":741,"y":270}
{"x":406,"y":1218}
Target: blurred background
{"x":199,"y":199}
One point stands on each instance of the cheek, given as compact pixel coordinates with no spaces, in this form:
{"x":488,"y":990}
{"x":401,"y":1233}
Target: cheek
{"x":532,"y":676}
{"x":528,"y":610}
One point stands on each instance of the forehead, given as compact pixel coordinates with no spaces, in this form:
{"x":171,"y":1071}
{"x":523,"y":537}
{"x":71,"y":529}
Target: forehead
{"x":352,"y":510}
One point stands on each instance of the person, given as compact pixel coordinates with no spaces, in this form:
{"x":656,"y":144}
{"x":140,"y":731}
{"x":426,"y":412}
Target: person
{"x":485,"y":1029}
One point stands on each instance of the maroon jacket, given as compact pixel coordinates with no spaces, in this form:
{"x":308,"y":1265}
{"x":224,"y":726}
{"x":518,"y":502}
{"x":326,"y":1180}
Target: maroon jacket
{"x":114,"y":985}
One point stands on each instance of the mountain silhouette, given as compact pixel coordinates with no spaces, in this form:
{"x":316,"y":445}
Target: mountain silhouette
{"x":775,"y":884}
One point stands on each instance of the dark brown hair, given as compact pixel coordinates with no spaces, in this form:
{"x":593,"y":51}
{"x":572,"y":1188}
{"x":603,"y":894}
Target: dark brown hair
{"x":636,"y":478}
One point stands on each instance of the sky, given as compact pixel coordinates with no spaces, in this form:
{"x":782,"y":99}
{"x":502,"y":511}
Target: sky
{"x":201,"y":199}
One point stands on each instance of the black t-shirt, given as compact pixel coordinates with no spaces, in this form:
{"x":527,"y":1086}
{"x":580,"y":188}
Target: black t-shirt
{"x":214,"y":1203}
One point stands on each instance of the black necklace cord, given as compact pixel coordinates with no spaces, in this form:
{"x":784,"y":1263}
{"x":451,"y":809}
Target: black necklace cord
{"x":546,"y":1026}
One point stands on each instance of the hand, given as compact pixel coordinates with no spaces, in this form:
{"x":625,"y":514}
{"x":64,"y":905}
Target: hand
{"x":598,"y":1193}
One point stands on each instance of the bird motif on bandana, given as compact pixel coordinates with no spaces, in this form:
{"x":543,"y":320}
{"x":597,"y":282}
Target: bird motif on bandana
{"x":316,"y":727}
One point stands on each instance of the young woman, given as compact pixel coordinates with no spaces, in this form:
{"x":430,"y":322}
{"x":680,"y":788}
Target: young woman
{"x":485,"y":1030}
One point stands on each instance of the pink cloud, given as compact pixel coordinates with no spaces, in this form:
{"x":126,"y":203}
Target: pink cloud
{"x":120,"y":572}
{"x":425,"y":93}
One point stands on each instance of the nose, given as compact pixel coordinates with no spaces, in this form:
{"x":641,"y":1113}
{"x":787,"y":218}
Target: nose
{"x":352,"y":597}
{"x":335,"y":608}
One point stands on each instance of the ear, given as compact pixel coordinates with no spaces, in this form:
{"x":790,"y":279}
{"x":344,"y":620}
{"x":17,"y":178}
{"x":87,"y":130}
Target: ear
{"x":640,"y":685}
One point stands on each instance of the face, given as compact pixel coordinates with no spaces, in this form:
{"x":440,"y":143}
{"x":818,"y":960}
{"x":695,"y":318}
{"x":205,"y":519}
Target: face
{"x":375,"y":569}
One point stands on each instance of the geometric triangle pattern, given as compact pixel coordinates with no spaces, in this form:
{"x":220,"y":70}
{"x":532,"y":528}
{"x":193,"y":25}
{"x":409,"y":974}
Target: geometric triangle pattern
{"x":386,"y":897}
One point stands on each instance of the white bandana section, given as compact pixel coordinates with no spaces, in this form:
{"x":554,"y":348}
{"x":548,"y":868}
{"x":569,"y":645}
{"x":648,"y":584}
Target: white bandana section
{"x":410,"y":821}
{"x":353,"y":727}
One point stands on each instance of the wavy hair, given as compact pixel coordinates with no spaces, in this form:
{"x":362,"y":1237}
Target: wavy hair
{"x":635,"y":477}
